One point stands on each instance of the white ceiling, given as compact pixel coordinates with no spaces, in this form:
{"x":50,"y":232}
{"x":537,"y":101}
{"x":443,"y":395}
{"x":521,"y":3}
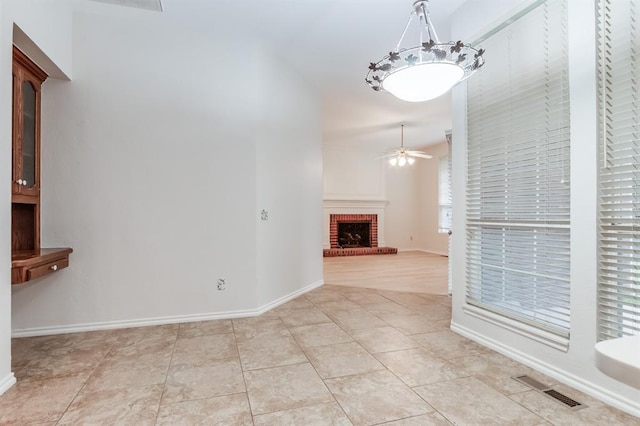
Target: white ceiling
{"x":331,"y":43}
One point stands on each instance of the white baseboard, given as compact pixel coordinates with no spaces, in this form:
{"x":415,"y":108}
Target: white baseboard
{"x":7,"y":382}
{"x":552,"y":340}
{"x":285,"y":299}
{"x":111,"y":325}
{"x":424,"y":251}
{"x":629,"y":405}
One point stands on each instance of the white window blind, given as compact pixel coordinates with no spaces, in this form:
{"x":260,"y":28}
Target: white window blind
{"x":444,"y":195}
{"x":619,"y":179}
{"x":518,"y":172}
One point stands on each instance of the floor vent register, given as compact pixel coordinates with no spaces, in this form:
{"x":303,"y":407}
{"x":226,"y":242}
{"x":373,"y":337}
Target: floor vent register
{"x":550,"y":393}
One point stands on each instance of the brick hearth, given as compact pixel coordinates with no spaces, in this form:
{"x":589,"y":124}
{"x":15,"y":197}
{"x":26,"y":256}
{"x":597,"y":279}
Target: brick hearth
{"x":358,"y":251}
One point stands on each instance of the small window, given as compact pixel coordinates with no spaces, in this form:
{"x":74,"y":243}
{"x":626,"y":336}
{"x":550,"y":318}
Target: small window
{"x":444,"y":196}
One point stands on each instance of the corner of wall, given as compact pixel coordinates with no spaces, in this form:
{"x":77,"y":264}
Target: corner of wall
{"x":289,"y":183}
{"x":6,"y":383}
{"x":43,"y":30}
{"x":5,"y":198}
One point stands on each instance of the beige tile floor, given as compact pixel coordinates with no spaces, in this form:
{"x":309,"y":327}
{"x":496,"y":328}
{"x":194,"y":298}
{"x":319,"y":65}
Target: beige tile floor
{"x":335,"y":356}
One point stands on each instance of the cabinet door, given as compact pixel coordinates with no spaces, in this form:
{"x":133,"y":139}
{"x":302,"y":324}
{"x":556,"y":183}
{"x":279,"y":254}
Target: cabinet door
{"x":27,"y":83}
{"x":30,"y":143}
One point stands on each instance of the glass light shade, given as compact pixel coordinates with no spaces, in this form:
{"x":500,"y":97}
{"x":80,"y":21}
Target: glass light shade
{"x":423,"y":82}
{"x":411,"y":160}
{"x":393,"y":161}
{"x":402,"y":161}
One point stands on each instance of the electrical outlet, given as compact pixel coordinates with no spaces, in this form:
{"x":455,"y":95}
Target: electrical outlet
{"x":264,"y":215}
{"x":411,"y":238}
{"x":222,"y":284}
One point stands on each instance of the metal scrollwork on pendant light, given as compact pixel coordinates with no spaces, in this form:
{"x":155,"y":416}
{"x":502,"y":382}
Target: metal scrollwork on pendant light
{"x":426,"y":71}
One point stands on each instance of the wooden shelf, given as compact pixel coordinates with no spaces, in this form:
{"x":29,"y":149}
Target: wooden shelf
{"x":24,"y":199}
{"x":29,"y":265}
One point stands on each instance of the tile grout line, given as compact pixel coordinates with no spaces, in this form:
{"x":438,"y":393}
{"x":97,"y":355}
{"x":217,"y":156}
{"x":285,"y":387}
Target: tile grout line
{"x":314,"y":367}
{"x":385,"y":367}
{"x":166,"y":377}
{"x":544,"y":418}
{"x":398,"y":378}
{"x":87,"y":380}
{"x":421,"y":345}
{"x":242,"y":371}
{"x":220,"y":360}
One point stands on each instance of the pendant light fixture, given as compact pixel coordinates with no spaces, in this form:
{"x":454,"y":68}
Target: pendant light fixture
{"x":426,"y":71}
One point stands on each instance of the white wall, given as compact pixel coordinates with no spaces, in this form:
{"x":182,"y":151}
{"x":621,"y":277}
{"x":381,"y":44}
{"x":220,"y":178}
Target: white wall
{"x":46,"y":26}
{"x":402,"y":214}
{"x":149,"y":172}
{"x":428,"y":237}
{"x":412,"y":214}
{"x":289,"y":184}
{"x":353,"y":173}
{"x":577,"y":366}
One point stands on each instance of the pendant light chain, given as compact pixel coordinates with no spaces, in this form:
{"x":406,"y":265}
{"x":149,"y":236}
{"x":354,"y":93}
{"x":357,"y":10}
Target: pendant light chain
{"x":406,"y":28}
{"x":430,"y":27}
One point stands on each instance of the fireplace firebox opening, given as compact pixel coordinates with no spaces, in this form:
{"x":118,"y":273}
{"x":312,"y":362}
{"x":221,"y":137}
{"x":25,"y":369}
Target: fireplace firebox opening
{"x":354,"y":234}
{"x":353,"y":231}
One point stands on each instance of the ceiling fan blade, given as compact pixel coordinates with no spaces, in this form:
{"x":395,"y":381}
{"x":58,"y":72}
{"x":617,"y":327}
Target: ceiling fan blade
{"x":409,"y":151}
{"x":395,"y":154}
{"x":420,"y":155}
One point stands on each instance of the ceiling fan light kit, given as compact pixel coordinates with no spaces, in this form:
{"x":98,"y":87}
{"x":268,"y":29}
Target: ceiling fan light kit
{"x":402,"y":156}
{"x":426,"y":71}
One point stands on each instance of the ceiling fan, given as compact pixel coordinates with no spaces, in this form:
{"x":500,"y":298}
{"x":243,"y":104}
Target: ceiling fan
{"x":402,"y":156}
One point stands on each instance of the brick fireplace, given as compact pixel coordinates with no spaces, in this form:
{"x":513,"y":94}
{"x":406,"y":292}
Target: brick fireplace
{"x":357,"y":240}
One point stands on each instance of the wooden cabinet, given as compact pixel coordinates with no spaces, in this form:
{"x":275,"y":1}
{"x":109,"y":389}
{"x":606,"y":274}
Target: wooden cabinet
{"x":28,"y":260}
{"x":27,"y":83}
